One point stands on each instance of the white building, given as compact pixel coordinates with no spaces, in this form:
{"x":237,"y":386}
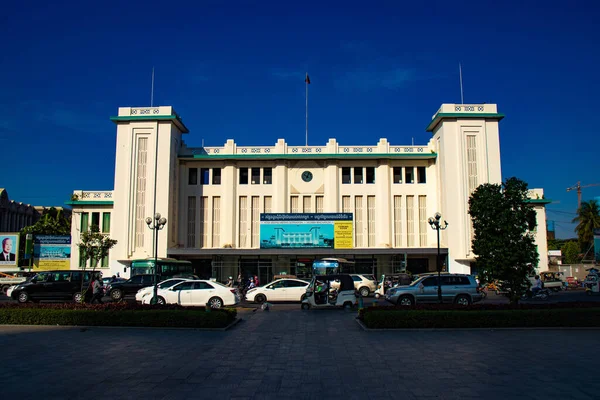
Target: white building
{"x":213,"y":197}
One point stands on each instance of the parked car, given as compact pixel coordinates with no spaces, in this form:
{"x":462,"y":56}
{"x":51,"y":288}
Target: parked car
{"x":326,"y":291}
{"x":279,"y":290}
{"x":149,"y":291}
{"x":53,"y":285}
{"x":365,"y":284}
{"x":456,"y":288}
{"x":119,"y":290}
{"x":389,"y":281}
{"x":197,"y":293}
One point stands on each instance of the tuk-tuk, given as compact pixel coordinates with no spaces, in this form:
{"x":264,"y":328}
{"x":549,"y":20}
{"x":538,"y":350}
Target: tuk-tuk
{"x":592,"y":282}
{"x":326,"y":291}
{"x":389,"y":281}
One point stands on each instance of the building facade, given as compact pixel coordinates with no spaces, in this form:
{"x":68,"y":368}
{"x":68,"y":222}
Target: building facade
{"x":213,"y":197}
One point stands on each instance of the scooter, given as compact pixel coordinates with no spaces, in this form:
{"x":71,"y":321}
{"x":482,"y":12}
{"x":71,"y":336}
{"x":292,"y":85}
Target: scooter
{"x":541,"y":294}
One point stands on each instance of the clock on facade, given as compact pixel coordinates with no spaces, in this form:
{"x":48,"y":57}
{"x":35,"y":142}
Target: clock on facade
{"x":307,"y":176}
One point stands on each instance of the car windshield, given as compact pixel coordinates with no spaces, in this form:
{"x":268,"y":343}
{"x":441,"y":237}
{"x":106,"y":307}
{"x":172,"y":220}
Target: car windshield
{"x":219,"y":283}
{"x":169,"y":283}
{"x":417,"y":281}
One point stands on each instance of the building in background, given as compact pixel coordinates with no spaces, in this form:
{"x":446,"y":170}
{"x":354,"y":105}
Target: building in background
{"x":266,"y":210}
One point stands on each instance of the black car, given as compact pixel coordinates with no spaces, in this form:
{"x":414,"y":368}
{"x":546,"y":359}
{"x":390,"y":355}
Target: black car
{"x":54,"y":285}
{"x":118,"y":290}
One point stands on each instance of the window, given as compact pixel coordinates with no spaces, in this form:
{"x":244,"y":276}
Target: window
{"x":370,"y":174}
{"x":106,"y":222}
{"x":430,"y":281}
{"x":268,"y":176}
{"x":356,"y":278}
{"x":193,"y":176}
{"x":276,"y":285}
{"x":397,"y":174}
{"x":136,"y":279}
{"x":295,"y":284}
{"x":216,"y":179}
{"x":96,"y":219}
{"x":203,"y":285}
{"x":408,"y":174}
{"x":358,"y":175}
{"x":204,"y":176}
{"x":455,"y":280}
{"x":184,"y":286}
{"x":255,"y":176}
{"x":421,"y":175}
{"x":85,"y":222}
{"x":243,"y":176}
{"x":346,"y":175}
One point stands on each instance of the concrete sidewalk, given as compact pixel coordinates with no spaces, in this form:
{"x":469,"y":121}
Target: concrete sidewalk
{"x":317,"y":354}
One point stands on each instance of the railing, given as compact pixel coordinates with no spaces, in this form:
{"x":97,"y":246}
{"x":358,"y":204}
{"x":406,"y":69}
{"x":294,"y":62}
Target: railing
{"x":242,"y":150}
{"x":93,"y":195}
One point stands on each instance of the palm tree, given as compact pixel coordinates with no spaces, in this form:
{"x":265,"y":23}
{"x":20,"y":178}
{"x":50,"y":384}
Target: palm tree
{"x":588,"y":218}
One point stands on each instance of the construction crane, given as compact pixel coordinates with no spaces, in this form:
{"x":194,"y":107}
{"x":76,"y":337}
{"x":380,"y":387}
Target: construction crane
{"x":578,"y":187}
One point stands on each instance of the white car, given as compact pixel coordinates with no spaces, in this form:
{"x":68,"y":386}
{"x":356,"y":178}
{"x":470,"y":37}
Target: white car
{"x":279,"y":290}
{"x":149,"y":291}
{"x":197,"y":293}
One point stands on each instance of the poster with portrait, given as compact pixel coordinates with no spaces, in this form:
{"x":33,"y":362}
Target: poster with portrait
{"x":9,"y":257}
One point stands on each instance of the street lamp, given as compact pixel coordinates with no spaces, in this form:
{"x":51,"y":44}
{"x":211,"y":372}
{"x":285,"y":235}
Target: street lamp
{"x":156,"y":225}
{"x":435,"y":224}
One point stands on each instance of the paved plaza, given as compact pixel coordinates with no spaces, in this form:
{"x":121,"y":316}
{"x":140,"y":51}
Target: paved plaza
{"x":317,"y":354}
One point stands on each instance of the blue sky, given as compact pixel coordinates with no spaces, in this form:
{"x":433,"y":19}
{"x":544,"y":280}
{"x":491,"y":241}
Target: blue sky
{"x":235,"y":69}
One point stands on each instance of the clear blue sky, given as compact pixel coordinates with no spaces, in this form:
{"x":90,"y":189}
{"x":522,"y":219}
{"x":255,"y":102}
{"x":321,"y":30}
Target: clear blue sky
{"x":235,"y":69}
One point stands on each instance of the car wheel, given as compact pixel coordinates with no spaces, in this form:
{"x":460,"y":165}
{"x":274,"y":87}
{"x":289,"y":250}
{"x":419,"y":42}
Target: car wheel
{"x":305,"y":306}
{"x":406,"y":301}
{"x":5,"y":289}
{"x":462,"y":300}
{"x":260,"y":298}
{"x":78,"y":297}
{"x":161,"y":300}
{"x":544,"y":296}
{"x":364,"y":291}
{"x":116,"y":294}
{"x":348,"y":304}
{"x":215,"y":302}
{"x":23,"y":297}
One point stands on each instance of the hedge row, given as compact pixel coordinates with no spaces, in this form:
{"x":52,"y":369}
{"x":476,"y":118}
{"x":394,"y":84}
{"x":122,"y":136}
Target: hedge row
{"x":392,"y":318}
{"x":109,"y":316}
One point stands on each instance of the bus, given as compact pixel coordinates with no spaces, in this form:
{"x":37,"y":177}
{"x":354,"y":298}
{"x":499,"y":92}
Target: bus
{"x":168,"y":268}
{"x":332,"y":266}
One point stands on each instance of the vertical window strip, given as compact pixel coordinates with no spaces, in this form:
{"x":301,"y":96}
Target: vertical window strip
{"x":358,"y":211}
{"x":106,"y":222}
{"x":472,"y":162}
{"x":255,"y":221}
{"x":346,"y":204}
{"x":85,"y":222}
{"x":410,"y":224}
{"x":268,"y":203}
{"x":320,"y":203}
{"x":397,"y":221}
{"x":205,"y":223}
{"x":423,"y":221}
{"x":371,"y":221}
{"x":294,"y":204}
{"x":140,"y":198}
{"x":243,"y":211}
{"x":306,"y":204}
{"x":191,"y":222}
{"x":216,"y":222}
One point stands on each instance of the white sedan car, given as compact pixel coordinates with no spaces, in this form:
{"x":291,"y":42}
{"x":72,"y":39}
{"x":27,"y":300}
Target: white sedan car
{"x":197,"y":293}
{"x":149,"y":291}
{"x":279,"y":290}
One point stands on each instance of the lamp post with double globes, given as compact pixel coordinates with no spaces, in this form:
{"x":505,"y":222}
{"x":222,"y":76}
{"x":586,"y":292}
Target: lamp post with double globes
{"x":156,"y":225}
{"x":435,"y":224}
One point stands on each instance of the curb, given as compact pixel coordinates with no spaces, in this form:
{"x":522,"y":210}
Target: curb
{"x":90,"y":327}
{"x":541,"y":328}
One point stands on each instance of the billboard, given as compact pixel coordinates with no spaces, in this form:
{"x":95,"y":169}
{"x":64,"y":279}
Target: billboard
{"x":306,"y":231}
{"x":51,"y":252}
{"x":9,"y":257}
{"x":597,"y":245}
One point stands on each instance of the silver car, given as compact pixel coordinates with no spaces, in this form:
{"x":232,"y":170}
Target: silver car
{"x":456,"y":288}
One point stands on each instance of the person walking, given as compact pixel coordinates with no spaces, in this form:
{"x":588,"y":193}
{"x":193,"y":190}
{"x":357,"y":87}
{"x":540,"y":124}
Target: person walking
{"x":98,"y":291}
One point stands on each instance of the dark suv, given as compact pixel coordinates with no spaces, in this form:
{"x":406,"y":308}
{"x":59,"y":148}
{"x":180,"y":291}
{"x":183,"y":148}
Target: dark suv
{"x":54,"y":285}
{"x":118,"y":290}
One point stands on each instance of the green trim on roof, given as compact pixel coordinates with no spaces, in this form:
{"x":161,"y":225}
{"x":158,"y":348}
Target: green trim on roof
{"x":438,"y":117}
{"x":312,"y":155}
{"x":90,"y":203}
{"x":174,"y":118}
{"x":539,"y":201}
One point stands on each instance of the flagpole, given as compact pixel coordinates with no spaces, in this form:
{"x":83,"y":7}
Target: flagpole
{"x":462,"y":101}
{"x":306,"y":85}
{"x":152,"y":90}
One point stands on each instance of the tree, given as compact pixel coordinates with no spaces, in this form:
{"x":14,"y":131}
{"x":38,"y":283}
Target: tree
{"x":570,"y":252}
{"x":588,"y":218}
{"x":504,"y":221}
{"x":94,"y":246}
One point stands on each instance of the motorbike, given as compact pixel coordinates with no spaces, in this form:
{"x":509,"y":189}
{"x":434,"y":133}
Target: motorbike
{"x":541,"y":294}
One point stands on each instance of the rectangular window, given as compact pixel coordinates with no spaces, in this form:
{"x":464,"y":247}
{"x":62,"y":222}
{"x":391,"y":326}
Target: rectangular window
{"x":204,"y":222}
{"x":358,"y":175}
{"x":104,"y":263}
{"x":358,"y":218}
{"x":346,"y":175}
{"x":320,"y":200}
{"x":204,"y":176}
{"x":346,"y":201}
{"x":421,"y":178}
{"x":140,"y":198}
{"x":472,"y":162}
{"x":191,"y":222}
{"x":255,"y":221}
{"x":106,"y":222}
{"x":397,"y":174}
{"x":216,"y":222}
{"x":397,"y":221}
{"x":423,"y":221}
{"x":256,"y":176}
{"x":85,"y":222}
{"x":82,"y":261}
{"x":294,"y":206}
{"x":243,"y":176}
{"x":268,"y":201}
{"x":216,"y":179}
{"x":371,"y":221}
{"x":96,"y":219}
{"x":370,"y":174}
{"x":267,"y":176}
{"x":243,"y":225}
{"x":193,"y":176}
{"x":306,"y":204}
{"x":409,"y":174}
{"x":410,"y":221}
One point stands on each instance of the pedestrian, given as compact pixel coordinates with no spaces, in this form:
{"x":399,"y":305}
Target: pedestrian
{"x":98,"y":291}
{"x":256,"y":283}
